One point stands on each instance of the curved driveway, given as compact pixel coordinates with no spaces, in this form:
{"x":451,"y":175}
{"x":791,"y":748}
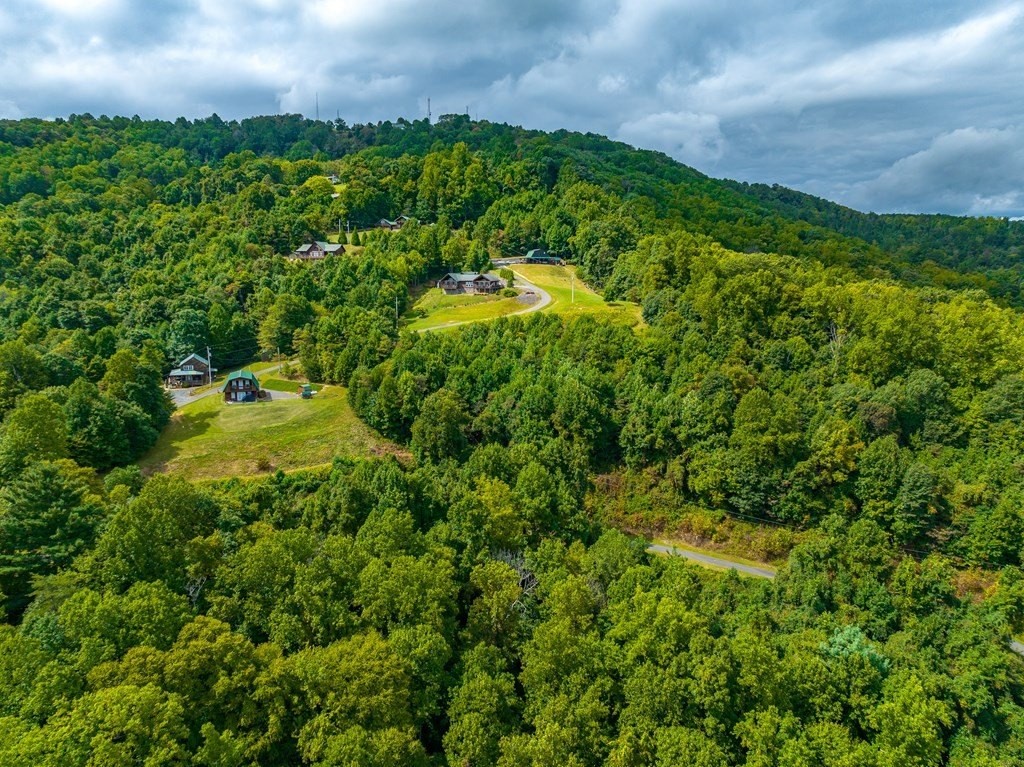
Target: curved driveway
{"x":521,"y":282}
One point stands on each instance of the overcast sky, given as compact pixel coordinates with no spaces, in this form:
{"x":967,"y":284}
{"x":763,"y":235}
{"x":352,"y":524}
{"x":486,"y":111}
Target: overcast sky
{"x":901,"y":105}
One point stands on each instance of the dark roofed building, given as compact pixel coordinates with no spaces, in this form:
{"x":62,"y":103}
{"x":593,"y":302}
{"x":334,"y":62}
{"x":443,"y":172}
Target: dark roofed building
{"x":191,"y":371}
{"x":398,"y":223}
{"x":315,"y":251}
{"x":541,"y":256}
{"x":470,"y":282}
{"x":241,"y":386}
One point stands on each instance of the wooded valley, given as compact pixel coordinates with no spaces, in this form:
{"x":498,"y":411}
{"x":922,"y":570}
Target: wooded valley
{"x":846,"y":388}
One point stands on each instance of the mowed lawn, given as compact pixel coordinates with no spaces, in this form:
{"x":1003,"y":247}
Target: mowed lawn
{"x":558,"y":281}
{"x":436,"y":310}
{"x":209,"y":439}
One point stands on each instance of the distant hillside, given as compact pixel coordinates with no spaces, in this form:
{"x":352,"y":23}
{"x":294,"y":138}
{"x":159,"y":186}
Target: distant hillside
{"x":946,"y":251}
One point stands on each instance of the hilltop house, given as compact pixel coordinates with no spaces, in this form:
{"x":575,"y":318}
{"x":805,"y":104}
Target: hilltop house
{"x":191,"y":371}
{"x":541,"y":256}
{"x":315,"y":251}
{"x":398,"y":223}
{"x":241,"y":386}
{"x":470,"y":282}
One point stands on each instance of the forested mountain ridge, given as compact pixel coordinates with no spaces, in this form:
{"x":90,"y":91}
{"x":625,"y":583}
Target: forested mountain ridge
{"x":471,"y":607}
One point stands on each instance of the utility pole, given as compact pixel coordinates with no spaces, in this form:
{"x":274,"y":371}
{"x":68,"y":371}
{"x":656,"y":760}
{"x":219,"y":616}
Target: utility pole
{"x":428,"y":109}
{"x":209,"y":365}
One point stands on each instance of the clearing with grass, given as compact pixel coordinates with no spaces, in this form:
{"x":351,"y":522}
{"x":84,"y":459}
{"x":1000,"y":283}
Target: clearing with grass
{"x":210,"y":439}
{"x":558,"y":282}
{"x":435,"y":310}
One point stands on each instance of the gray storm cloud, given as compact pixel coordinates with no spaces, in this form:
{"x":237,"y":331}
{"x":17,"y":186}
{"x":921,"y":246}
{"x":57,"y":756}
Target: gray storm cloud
{"x":893,"y":106}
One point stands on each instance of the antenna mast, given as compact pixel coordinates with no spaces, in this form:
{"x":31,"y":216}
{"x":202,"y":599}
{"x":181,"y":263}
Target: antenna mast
{"x":428,"y":108}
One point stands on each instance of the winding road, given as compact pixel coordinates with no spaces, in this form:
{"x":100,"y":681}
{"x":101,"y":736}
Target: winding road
{"x":711,"y":560}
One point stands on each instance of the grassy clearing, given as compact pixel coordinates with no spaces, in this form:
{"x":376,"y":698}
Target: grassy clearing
{"x":208,"y":439}
{"x":437,"y":310}
{"x":282,"y":384}
{"x":559,"y":282}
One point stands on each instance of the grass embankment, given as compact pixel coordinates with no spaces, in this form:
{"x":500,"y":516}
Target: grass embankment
{"x":559,"y":281}
{"x":437,"y":310}
{"x":209,"y":439}
{"x":282,"y":384}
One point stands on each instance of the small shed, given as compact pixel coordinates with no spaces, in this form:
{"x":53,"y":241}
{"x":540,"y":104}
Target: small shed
{"x":241,"y":386}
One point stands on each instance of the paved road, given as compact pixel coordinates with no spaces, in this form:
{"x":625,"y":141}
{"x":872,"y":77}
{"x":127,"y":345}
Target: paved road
{"x":709,"y":559}
{"x":545,"y":297}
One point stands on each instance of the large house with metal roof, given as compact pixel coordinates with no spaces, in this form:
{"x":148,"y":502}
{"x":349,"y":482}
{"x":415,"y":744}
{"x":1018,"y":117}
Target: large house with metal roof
{"x":315,"y":251}
{"x":242,"y":386}
{"x":398,"y":223}
{"x":470,"y":282}
{"x":541,"y":256}
{"x":191,"y":371}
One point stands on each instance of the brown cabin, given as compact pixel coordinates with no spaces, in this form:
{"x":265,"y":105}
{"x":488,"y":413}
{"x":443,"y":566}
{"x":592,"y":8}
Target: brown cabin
{"x":191,"y":371}
{"x":470,"y":282}
{"x":398,"y":223}
{"x":316,"y":251}
{"x":242,"y":386}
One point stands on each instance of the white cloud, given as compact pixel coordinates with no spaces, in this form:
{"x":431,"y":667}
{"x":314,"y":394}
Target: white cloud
{"x":971,"y":170}
{"x":837,"y":98}
{"x":695,"y":139}
{"x":9,"y":110}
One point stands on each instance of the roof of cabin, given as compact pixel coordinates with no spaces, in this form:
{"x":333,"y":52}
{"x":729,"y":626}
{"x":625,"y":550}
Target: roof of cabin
{"x":195,"y":357}
{"x":471,"y":276}
{"x":246,"y":374}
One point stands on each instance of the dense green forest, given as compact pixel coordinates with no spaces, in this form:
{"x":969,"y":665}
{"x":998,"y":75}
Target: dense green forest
{"x":851,"y":385}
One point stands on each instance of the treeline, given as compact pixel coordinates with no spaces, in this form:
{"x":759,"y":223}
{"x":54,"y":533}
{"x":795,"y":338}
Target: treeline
{"x":466,"y":613}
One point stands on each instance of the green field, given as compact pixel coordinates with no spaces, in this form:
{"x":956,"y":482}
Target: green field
{"x":436,"y":310}
{"x":558,"y":281}
{"x":208,"y":439}
{"x":282,"y":384}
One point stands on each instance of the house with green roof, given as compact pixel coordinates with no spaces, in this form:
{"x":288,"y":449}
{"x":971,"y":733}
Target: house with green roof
{"x":241,"y":386}
{"x":541,"y":256}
